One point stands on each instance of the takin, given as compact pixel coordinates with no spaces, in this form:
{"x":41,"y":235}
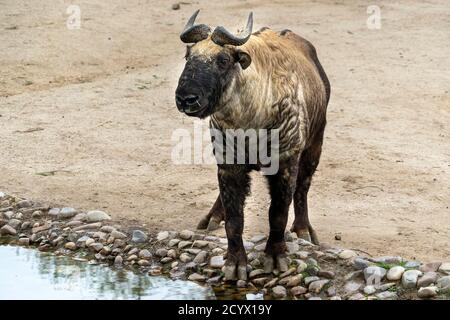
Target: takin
{"x":264,"y":80}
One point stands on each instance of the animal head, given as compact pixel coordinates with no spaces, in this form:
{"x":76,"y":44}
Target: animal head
{"x":213,"y":59}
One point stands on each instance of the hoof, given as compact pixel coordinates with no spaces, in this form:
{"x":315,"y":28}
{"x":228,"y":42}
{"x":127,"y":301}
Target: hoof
{"x":235,"y":272}
{"x":280,"y":262}
{"x":306,"y":234}
{"x":213,"y":225}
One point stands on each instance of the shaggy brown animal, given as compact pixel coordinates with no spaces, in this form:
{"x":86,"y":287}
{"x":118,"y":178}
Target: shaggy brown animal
{"x":265,"y":80}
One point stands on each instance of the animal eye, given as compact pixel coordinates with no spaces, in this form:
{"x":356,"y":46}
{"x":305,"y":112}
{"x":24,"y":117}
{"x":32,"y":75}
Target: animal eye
{"x":223,"y":61}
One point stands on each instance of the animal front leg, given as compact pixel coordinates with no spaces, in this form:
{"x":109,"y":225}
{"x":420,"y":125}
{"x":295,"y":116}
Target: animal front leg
{"x":212,"y":220}
{"x":282,"y":187}
{"x":234,"y":183}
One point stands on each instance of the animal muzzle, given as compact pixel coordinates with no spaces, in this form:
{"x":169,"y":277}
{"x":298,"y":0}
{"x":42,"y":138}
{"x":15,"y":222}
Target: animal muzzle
{"x":190,"y":103}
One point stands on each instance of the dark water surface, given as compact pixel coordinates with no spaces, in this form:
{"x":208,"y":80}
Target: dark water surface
{"x":31,"y":274}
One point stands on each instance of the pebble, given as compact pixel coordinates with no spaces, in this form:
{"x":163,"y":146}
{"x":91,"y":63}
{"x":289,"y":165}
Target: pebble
{"x":302,"y":254}
{"x":89,"y":226}
{"x":279,"y":292}
{"x":256,"y":273}
{"x":118,"y":235}
{"x":79,"y":217}
{"x":143,"y":263}
{"x":369,"y":290}
{"x":96,"y":246}
{"x":176,"y":6}
{"x":145,"y":254}
{"x":186,"y":234}
{"x":70,"y":246}
{"x":430,"y":267}
{"x":427,"y":279}
{"x":24,"y":204}
{"x":73,"y":224}
{"x":24,"y":241}
{"x":216,"y":262}
{"x":360,"y":263}
{"x":351,"y":287}
{"x":118,"y":260}
{"x":161,"y":252}
{"x":412,"y":265}
{"x":326,"y":274}
{"x":163,"y":235}
{"x":184,"y":244}
{"x":308,"y":280}
{"x":172,"y":253}
{"x":356,"y":296}
{"x":258,"y":238}
{"x":314,"y":298}
{"x":107,"y":229}
{"x":388,"y":260}
{"x":331,"y":291}
{"x":385,"y":286}
{"x":347,"y":254}
{"x":241,"y":284}
{"x":2,"y":195}
{"x":201,"y":257}
{"x":139,"y":236}
{"x":409,"y":278}
{"x":395,"y":273}
{"x":97,"y":216}
{"x":444,"y":283}
{"x":166,"y":260}
{"x":132,"y":257}
{"x":445,"y":268}
{"x":302,"y":266}
{"x":298,"y":290}
{"x":8,"y":230}
{"x":67,"y":213}
{"x":260,"y":281}
{"x":15,"y":223}
{"x":200,"y":243}
{"x":292,"y":247}
{"x":427,"y":292}
{"x":184,"y":257}
{"x":174,"y":242}
{"x":260,"y":247}
{"x":295,"y":280}
{"x":287,"y":273}
{"x":271,"y":283}
{"x":374,"y":274}
{"x":387,"y":295}
{"x":197,"y":277}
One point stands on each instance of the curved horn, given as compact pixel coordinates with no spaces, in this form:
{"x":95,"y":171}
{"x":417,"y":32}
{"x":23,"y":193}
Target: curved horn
{"x":222,"y":36}
{"x":194,"y":33}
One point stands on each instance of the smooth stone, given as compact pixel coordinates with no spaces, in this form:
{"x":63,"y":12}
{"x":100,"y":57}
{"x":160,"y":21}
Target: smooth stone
{"x":256,"y":273}
{"x":118,"y":235}
{"x":186,"y":234}
{"x":118,"y":260}
{"x":70,"y":246}
{"x":2,"y":195}
{"x":298,"y":290}
{"x":395,"y":273}
{"x":369,"y":290}
{"x":184,"y":244}
{"x":143,"y":263}
{"x":292,"y":247}
{"x":385,"y":286}
{"x":24,"y":204}
{"x":197,"y":277}
{"x":162,"y":235}
{"x":184,"y":257}
{"x":97,"y":216}
{"x":132,"y":257}
{"x":347,"y":254}
{"x":308,"y":280}
{"x":15,"y":223}
{"x":287,"y":273}
{"x":201,"y":257}
{"x":139,"y":236}
{"x":387,"y":295}
{"x":409,"y":278}
{"x":374,"y":274}
{"x":73,"y":224}
{"x":430,"y":267}
{"x":388,"y":259}
{"x":331,"y":291}
{"x":67,"y":213}
{"x":8,"y":230}
{"x":427,"y":279}
{"x":445,"y":268}
{"x":172,"y":253}
{"x":258,"y":238}
{"x":427,"y":292}
{"x":302,"y":266}
{"x":192,"y":251}
{"x":295,"y":280}
{"x":145,"y":254}
{"x":161,"y":252}
{"x":89,"y":226}
{"x":279,"y":292}
{"x":216,"y":262}
{"x":166,"y":260}
{"x":248,"y":245}
{"x":241,"y":284}
{"x":361,"y":264}
{"x":412,"y":265}
{"x":200,"y":244}
{"x":8,"y":214}
{"x":302,"y":254}
{"x":351,"y":287}
{"x":174,"y":242}
{"x":444,"y":283}
{"x":79,"y":217}
{"x":317,"y":286}
{"x":260,"y":247}
{"x":107,"y":229}
{"x":357,"y":296}
{"x":96,"y":246}
{"x":24,"y":241}
{"x":260,"y":281}
{"x":326,"y":274}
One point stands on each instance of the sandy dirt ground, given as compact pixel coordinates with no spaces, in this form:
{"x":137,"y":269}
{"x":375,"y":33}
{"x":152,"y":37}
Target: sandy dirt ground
{"x":86,"y":116}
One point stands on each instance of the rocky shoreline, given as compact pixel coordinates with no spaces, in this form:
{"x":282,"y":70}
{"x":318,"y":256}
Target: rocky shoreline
{"x":315,"y":272}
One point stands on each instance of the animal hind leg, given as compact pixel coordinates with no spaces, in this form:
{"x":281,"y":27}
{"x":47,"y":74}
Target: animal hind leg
{"x":212,"y":220}
{"x":308,"y":163}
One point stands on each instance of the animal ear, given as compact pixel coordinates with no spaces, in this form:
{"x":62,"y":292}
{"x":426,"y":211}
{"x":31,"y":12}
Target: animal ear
{"x":243,"y":58}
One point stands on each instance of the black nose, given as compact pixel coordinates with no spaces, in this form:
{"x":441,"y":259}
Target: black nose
{"x":187,"y":100}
